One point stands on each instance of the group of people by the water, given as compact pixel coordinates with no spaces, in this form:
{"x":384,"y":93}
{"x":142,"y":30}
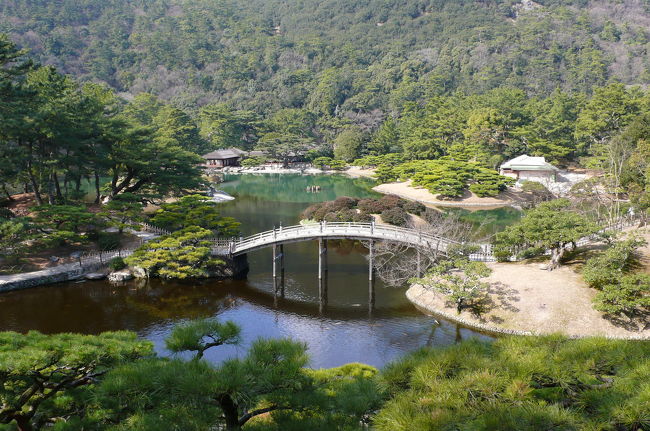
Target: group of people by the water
{"x":313,"y":189}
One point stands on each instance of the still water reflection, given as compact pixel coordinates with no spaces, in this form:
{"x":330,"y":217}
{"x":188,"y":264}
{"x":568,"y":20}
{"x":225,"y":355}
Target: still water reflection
{"x":345,"y":331}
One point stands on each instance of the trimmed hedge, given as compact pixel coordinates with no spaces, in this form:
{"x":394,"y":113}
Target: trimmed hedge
{"x":346,"y":209}
{"x":395,"y":216}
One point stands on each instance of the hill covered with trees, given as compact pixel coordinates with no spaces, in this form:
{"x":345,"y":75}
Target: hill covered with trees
{"x":334,"y":56}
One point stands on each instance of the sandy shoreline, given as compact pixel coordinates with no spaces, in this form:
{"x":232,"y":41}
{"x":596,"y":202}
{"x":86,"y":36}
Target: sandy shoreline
{"x":526,"y":300}
{"x":407,"y":191}
{"x":402,"y":189}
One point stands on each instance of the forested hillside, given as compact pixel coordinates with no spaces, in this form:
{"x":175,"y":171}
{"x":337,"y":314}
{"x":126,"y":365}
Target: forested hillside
{"x":334,"y":55}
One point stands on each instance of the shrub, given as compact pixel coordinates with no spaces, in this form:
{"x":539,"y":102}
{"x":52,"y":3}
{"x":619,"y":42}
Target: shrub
{"x":6,"y":213}
{"x":309,"y":212}
{"x":376,"y":206}
{"x":338,"y":165}
{"x":343,"y":202}
{"x":391,"y":201}
{"x":108,"y":241}
{"x":485,"y":190}
{"x":395,"y":216}
{"x":628,"y":294}
{"x":195,"y":210}
{"x":183,"y":254}
{"x":370,"y":206}
{"x":117,"y":263}
{"x":609,"y":267}
{"x":251,"y":162}
{"x":385,"y":174}
{"x":361,"y":217}
{"x":321,"y":162}
{"x":331,"y":217}
{"x":450,"y":178}
{"x":412,"y":207}
{"x":319,"y":214}
{"x":533,"y":187}
{"x":346,"y":215}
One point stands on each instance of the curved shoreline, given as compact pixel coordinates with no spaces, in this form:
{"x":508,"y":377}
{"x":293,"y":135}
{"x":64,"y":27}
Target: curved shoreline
{"x":445,"y":203}
{"x":406,"y":191}
{"x":423,"y":300}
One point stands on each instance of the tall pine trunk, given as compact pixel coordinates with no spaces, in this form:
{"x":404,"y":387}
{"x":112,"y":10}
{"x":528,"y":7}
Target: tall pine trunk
{"x":97,"y":194}
{"x":32,"y":180}
{"x":57,"y":188}
{"x":230,"y":413}
{"x":24,"y":424}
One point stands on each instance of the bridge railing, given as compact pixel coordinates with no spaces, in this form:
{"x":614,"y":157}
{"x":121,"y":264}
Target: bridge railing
{"x":411,"y":236}
{"x":369,"y":230}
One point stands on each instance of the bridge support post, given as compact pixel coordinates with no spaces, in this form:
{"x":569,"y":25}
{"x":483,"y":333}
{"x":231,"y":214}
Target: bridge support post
{"x":322,"y":273}
{"x":322,"y":257}
{"x":419,"y":265}
{"x":282,"y":270}
{"x":371,"y":258}
{"x":278,"y":258}
{"x":275,"y":260}
{"x":322,"y":293}
{"x":371,"y":278}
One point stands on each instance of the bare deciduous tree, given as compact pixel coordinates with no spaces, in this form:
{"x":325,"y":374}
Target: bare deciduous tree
{"x":396,"y":263}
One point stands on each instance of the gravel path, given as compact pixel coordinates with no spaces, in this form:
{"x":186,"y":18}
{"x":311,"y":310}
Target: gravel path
{"x":525,"y":298}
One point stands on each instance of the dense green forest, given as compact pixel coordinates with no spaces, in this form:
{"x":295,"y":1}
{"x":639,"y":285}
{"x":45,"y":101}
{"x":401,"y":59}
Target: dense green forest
{"x":334,"y":55}
{"x":479,"y":81}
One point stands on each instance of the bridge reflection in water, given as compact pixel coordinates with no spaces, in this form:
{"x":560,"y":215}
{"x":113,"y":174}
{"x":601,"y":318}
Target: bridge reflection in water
{"x":321,"y":232}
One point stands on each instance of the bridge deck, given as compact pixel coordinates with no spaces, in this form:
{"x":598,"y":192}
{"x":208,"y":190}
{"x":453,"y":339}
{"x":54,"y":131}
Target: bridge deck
{"x":357,"y":231}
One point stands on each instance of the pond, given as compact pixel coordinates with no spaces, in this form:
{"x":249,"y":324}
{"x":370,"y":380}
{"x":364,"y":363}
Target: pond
{"x":346,"y":330}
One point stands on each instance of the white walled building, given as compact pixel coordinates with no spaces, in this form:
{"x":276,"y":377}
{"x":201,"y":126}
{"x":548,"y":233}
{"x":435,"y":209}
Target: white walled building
{"x":529,"y":168}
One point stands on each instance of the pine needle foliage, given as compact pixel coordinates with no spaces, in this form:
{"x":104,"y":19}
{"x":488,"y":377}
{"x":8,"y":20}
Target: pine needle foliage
{"x":520,"y":384}
{"x":42,"y":377}
{"x":184,"y":254}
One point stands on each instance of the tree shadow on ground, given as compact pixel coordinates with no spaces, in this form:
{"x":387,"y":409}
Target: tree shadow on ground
{"x":636,"y":321}
{"x":498,"y":296}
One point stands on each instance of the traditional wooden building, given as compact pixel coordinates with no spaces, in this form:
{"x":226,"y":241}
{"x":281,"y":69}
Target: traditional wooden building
{"x":223,"y":158}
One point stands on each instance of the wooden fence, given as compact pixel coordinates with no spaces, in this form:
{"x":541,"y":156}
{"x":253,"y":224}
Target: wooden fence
{"x":154,"y":229}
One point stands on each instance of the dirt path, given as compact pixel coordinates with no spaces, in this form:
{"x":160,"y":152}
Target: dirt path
{"x":525,"y":298}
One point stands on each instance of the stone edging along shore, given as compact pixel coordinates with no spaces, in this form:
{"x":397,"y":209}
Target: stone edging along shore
{"x":418,"y":295}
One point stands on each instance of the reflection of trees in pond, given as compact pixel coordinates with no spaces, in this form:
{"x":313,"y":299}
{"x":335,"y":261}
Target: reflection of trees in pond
{"x":293,"y":188}
{"x":346,"y":247}
{"x":178,"y":300}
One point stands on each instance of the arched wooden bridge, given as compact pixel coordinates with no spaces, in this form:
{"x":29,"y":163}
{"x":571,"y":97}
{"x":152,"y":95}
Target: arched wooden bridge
{"x":324,"y":231}
{"x":338,"y":230}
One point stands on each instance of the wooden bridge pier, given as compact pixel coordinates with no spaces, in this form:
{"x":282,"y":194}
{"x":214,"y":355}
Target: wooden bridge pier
{"x":322,"y":272}
{"x":322,"y":293}
{"x":371,"y":275}
{"x":278,"y":258}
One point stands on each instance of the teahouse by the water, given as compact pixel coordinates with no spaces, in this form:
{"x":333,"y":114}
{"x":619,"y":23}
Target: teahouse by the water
{"x":529,"y":168}
{"x":222,"y":158}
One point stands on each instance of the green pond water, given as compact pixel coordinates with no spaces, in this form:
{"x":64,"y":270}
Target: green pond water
{"x":345,"y":330}
{"x":265,"y":200}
